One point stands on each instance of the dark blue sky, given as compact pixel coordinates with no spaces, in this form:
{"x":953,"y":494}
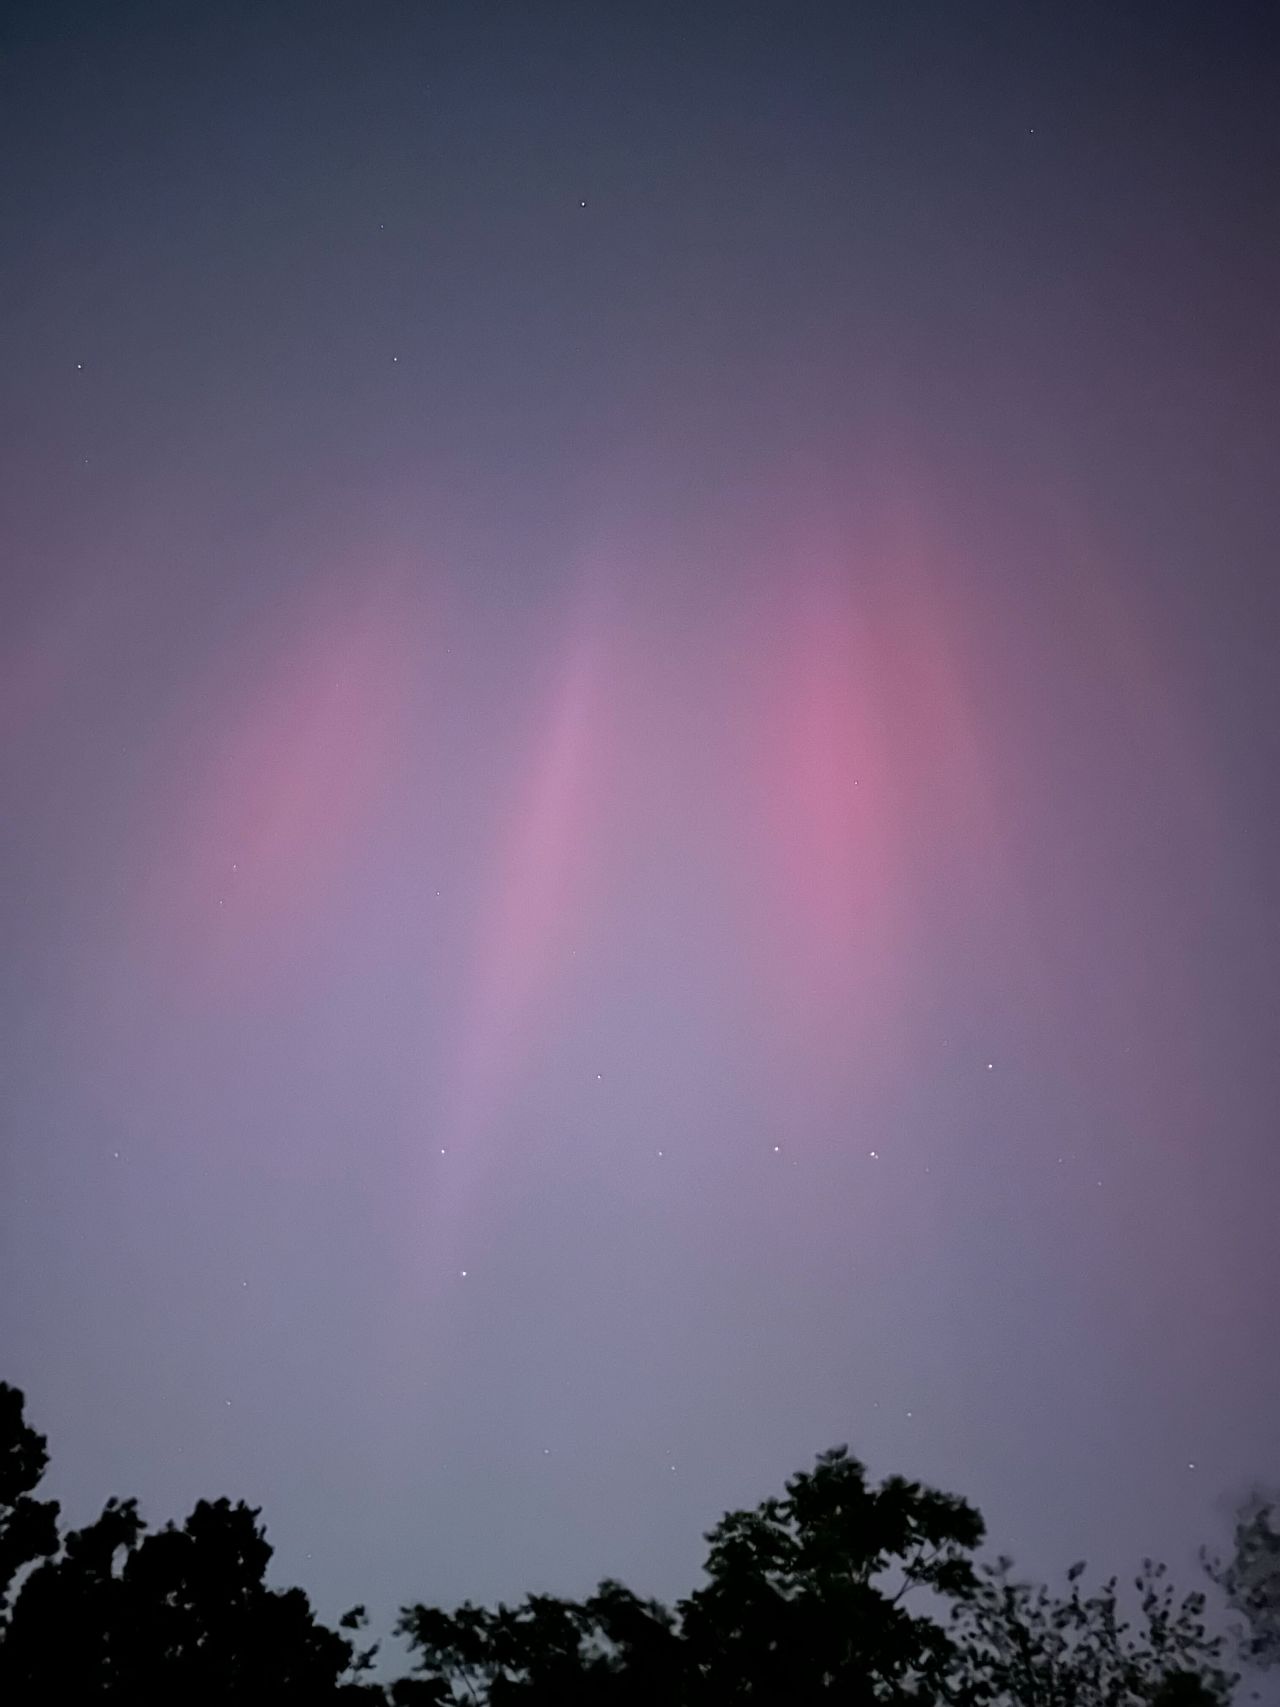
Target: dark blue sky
{"x":638,"y":749}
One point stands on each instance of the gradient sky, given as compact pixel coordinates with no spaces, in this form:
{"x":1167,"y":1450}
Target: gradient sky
{"x":639,"y":732}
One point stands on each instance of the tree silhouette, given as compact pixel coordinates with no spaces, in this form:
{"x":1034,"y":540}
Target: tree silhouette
{"x":809,"y":1599}
{"x":181,"y":1615}
{"x":28,"y":1528}
{"x":610,"y":1650}
{"x":840,"y":1591}
{"x":804,"y":1602}
{"x":1250,"y":1579}
{"x":1020,"y":1644}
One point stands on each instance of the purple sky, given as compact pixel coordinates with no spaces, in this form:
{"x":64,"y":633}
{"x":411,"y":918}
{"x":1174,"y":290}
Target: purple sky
{"x":638,"y":769}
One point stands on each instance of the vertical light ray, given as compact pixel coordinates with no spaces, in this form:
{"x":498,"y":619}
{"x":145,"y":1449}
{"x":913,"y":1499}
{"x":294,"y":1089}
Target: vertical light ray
{"x":540,"y":887}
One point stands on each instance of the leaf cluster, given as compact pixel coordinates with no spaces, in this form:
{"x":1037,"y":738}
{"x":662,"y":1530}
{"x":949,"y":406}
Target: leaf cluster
{"x":1250,"y":1579}
{"x":1022,"y":1643}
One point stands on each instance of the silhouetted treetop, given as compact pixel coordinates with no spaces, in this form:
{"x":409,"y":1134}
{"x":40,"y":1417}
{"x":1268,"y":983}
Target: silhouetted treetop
{"x":839,"y":1591}
{"x":181,"y":1615}
{"x":28,"y":1527}
{"x":1250,"y":1578}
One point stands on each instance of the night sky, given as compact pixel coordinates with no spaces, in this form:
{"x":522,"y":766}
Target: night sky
{"x":639,"y":734}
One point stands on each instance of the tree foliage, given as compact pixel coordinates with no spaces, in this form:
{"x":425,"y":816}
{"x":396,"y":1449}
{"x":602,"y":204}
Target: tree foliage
{"x":110,"y":1613}
{"x":805,"y":1601}
{"x":1022,"y":1645}
{"x":807,"y":1597}
{"x":1250,"y":1578}
{"x":839,"y":1591}
{"x":28,"y":1527}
